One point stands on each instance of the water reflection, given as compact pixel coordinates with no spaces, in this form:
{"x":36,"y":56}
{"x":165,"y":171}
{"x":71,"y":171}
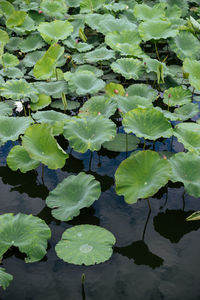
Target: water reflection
{"x":172,"y":225}
{"x":73,"y":165}
{"x":105,"y":181}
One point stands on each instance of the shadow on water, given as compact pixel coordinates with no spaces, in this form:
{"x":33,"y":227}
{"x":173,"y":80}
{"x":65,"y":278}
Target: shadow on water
{"x":172,"y":225}
{"x":73,"y":165}
{"x":24,"y":183}
{"x":105,"y":181}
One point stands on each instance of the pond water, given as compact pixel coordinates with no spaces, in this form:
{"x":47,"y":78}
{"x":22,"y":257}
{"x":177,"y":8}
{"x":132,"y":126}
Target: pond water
{"x":156,"y":255}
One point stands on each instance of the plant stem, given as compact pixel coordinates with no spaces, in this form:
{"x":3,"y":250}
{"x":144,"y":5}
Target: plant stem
{"x":157,"y":51}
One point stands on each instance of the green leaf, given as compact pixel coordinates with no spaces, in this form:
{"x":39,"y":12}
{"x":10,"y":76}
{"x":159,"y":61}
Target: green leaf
{"x":55,"y":8}
{"x":112,"y":24}
{"x":122,"y":143}
{"x":40,"y":144}
{"x":9,"y":60}
{"x":187,"y":111}
{"x":4,"y":37}
{"x":18,"y":158}
{"x":7,"y":8}
{"x":73,"y":194}
{"x":88,"y":6}
{"x":12,"y":127}
{"x":127,"y":103}
{"x":113,"y":89}
{"x":194,"y":217}
{"x":5,"y":109}
{"x":16,"y":19}
{"x":55,"y":30}
{"x":185,"y":169}
{"x":189,"y":134}
{"x":142,"y":90}
{"x":147,"y":123}
{"x":100,"y":54}
{"x":45,"y":66}
{"x":43,"y":101}
{"x":156,"y":30}
{"x":5,"y":278}
{"x":130,"y":68}
{"x":145,"y":12}
{"x":89,"y":133}
{"x":53,"y":89}
{"x":192,"y":67}
{"x":28,"y":233}
{"x":141,"y":175}
{"x":31,"y":43}
{"x":85,"y":244}
{"x":177,"y":96}
{"x":58,"y":104}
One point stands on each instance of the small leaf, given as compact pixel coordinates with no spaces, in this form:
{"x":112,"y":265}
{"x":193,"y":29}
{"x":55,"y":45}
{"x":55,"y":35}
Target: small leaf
{"x":5,"y":278}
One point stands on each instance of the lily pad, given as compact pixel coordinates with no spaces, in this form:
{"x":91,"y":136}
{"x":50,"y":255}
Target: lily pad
{"x":53,"y":89}
{"x":31,"y":58}
{"x":122,"y":143}
{"x":99,"y":54}
{"x":31,"y":43}
{"x":28,"y":233}
{"x":73,"y":194}
{"x":4,"y":37}
{"x":147,"y":123}
{"x":88,"y":6}
{"x":5,"y":278}
{"x":55,"y":8}
{"x":113,"y":24}
{"x":85,"y":244}
{"x":189,"y":134}
{"x":145,"y":12}
{"x":40,"y":144}
{"x":185,"y":169}
{"x":141,"y":176}
{"x":130,"y":68}
{"x":142,"y":90}
{"x":89,"y":133}
{"x":12,"y":127}
{"x":18,"y":158}
{"x":113,"y":89}
{"x":177,"y":96}
{"x":127,"y":103}
{"x":9,"y":60}
{"x":187,"y":111}
{"x":192,"y":67}
{"x":156,"y":30}
{"x":70,"y":105}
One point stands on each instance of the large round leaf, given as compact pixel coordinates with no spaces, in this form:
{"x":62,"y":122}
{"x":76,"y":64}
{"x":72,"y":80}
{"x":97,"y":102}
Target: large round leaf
{"x":5,"y":278}
{"x":9,"y":60}
{"x":189,"y":134}
{"x":73,"y":194}
{"x":31,"y":43}
{"x":142,"y":90}
{"x":141,"y":175}
{"x":89,"y":133}
{"x":127,"y":103}
{"x":85,"y":244}
{"x":185,"y":168}
{"x":145,"y":12}
{"x":40,"y":144}
{"x":177,"y":96}
{"x":4,"y":37}
{"x":55,"y":8}
{"x":114,"y":24}
{"x":99,"y":54}
{"x":28,"y":233}
{"x":192,"y":67}
{"x":43,"y":101}
{"x":122,"y":143}
{"x":55,"y":30}
{"x":130,"y":68}
{"x":12,"y":127}
{"x":18,"y":158}
{"x":147,"y":123}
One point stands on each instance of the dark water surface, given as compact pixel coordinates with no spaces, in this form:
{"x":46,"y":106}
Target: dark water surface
{"x":156,"y":255}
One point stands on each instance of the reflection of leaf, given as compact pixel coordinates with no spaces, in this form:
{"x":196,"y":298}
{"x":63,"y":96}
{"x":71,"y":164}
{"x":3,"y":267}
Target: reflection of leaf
{"x":172,"y":224}
{"x":140,"y":253}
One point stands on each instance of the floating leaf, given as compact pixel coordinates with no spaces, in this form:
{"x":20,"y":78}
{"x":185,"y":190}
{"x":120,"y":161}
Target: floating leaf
{"x":28,"y":233}
{"x":113,"y":89}
{"x":88,"y":6}
{"x":17,"y":18}
{"x":128,"y":103}
{"x":142,"y":90}
{"x":4,"y":37}
{"x":100,"y":54}
{"x":31,"y":43}
{"x":141,"y":176}
{"x":40,"y":144}
{"x":192,"y":67}
{"x":5,"y":109}
{"x":58,"y":104}
{"x":93,"y":69}
{"x":85,"y":244}
{"x":112,"y":24}
{"x":194,"y":217}
{"x":73,"y":194}
{"x":122,"y":143}
{"x":81,"y":47}
{"x":43,"y":101}
{"x":5,"y":278}
{"x":145,"y":12}
{"x":18,"y":158}
{"x":55,"y":8}
{"x":130,"y":68}
{"x":89,"y":133}
{"x":31,"y":58}
{"x":12,"y":127}
{"x":189,"y":134}
{"x":53,"y":89}
{"x":147,"y":123}
{"x":186,"y":111}
{"x":185,"y":169}
{"x":156,"y":30}
{"x":9,"y":60}
{"x":177,"y":96}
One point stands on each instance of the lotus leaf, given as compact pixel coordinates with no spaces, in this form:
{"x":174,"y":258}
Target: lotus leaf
{"x":141,"y":175}
{"x":81,"y":47}
{"x":55,"y":8}
{"x":18,"y":158}
{"x":187,"y":111}
{"x":17,"y":18}
{"x":84,"y":82}
{"x":70,"y":105}
{"x":43,"y":101}
{"x":5,"y":278}
{"x":12,"y":127}
{"x":12,"y":72}
{"x":5,"y":109}
{"x":85,"y":244}
{"x":27,"y":26}
{"x":99,"y":54}
{"x":40,"y":144}
{"x":115,"y":7}
{"x":98,"y":105}
{"x":28,"y":233}
{"x":189,"y":134}
{"x":192,"y":67}
{"x":155,"y":66}
{"x":89,"y":133}
{"x":73,"y":3}
{"x":18,"y":89}
{"x":130,"y":68}
{"x":195,"y":24}
{"x":113,"y":89}
{"x":185,"y":169}
{"x":89,"y":6}
{"x":128,"y":103}
{"x":121,"y":42}
{"x":93,"y":20}
{"x":85,"y":67}
{"x":4,"y":37}
{"x":194,"y":217}
{"x":113,"y":24}
{"x":145,"y":12}
{"x":55,"y":30}
{"x":142,"y":90}
{"x":177,"y":96}
{"x":31,"y":58}
{"x":156,"y":30}
{"x":185,"y":45}
{"x":7,"y":8}
{"x":53,"y":89}
{"x":73,"y":194}
{"x":46,"y":65}
{"x":54,"y":118}
{"x":31,"y":43}
{"x":147,"y":123}
{"x":122,"y":143}
{"x":9,"y":60}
